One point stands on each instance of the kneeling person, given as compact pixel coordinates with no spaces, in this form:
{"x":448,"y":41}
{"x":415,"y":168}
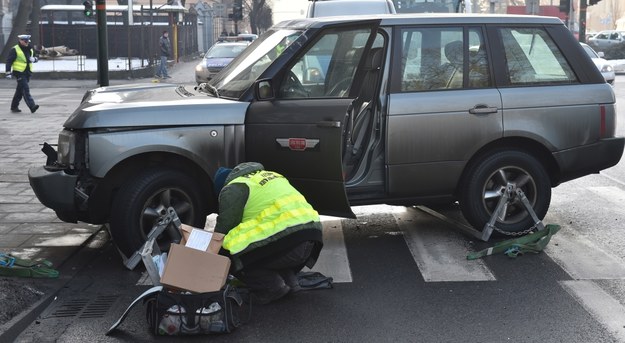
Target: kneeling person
{"x":271,"y":230}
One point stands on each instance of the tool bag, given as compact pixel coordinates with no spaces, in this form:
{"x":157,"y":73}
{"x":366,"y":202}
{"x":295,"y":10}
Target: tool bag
{"x":170,"y":313}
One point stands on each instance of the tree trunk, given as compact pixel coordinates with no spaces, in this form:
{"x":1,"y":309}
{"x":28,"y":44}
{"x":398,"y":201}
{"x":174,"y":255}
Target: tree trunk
{"x":19,"y":26}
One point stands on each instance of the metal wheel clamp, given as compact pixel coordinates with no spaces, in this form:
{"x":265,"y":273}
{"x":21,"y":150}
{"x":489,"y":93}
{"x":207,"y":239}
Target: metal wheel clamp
{"x":509,"y":194}
{"x":170,"y":217}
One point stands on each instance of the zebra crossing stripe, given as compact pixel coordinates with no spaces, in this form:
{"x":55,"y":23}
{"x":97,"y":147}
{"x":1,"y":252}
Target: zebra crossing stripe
{"x":582,"y":259}
{"x":439,"y":252}
{"x":333,"y":259}
{"x":607,"y":310}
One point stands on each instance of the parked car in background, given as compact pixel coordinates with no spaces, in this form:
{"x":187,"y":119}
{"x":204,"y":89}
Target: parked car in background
{"x":354,"y":110}
{"x":216,"y":58}
{"x":326,"y":8}
{"x":248,"y":37}
{"x":606,"y":39}
{"x":604,"y":66}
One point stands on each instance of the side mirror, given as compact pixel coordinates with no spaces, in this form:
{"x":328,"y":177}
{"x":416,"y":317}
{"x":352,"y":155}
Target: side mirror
{"x":601,"y":54}
{"x":263,"y":89}
{"x":313,"y":75}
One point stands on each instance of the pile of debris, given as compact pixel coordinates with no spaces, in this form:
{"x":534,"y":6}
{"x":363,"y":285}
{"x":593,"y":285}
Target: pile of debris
{"x":57,"y":51}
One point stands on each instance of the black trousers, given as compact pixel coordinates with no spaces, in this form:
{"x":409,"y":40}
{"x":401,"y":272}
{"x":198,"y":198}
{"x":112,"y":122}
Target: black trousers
{"x":22,"y":91}
{"x":273,"y":274}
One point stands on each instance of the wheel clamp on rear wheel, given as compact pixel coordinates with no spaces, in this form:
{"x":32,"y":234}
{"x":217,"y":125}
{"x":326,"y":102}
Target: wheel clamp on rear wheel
{"x":534,"y":242}
{"x":170,"y":217}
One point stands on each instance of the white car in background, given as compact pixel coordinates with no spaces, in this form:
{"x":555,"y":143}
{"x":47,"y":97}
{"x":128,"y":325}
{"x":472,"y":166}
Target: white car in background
{"x":606,"y":69}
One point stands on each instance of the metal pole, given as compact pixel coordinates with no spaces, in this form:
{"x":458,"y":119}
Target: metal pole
{"x":582,"y":20}
{"x":1,"y":28}
{"x":103,"y":58}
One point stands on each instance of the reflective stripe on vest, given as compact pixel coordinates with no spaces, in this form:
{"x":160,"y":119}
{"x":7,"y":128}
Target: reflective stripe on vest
{"x":20,"y":62}
{"x":273,"y":205}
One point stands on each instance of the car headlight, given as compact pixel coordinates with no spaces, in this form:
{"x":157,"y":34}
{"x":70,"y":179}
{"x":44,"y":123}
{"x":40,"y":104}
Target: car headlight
{"x":199,"y":68}
{"x":67,"y":148}
{"x":606,"y":68}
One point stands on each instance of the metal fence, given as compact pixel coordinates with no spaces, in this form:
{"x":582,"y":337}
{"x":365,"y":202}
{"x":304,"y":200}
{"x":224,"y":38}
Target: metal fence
{"x":138,"y":41}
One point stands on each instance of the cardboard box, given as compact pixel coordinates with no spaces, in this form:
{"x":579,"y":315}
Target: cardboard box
{"x":195,"y":270}
{"x":215,"y":243}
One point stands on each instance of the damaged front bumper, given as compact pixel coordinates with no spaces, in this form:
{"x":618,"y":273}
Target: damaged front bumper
{"x":55,"y":189}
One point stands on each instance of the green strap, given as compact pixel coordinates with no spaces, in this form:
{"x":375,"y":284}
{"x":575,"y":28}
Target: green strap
{"x":534,"y":243}
{"x":13,"y":266}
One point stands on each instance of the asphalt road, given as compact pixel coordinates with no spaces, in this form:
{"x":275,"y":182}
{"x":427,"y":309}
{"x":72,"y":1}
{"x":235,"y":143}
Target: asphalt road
{"x":391,"y":294}
{"x":402,"y":275}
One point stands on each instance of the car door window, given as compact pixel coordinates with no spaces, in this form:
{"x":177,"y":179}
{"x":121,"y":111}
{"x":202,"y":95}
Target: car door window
{"x":439,"y":58}
{"x":532,"y":57}
{"x":602,"y":36}
{"x":328,"y":67}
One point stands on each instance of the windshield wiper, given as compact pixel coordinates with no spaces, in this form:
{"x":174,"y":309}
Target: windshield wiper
{"x":207,"y":88}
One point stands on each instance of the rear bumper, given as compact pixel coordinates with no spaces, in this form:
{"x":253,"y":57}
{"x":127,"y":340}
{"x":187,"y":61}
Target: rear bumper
{"x":589,"y":159}
{"x":55,"y":189}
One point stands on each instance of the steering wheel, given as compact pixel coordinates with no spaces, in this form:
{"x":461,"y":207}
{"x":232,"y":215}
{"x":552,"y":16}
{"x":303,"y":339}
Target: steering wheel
{"x":340,"y":87}
{"x":293,"y":88}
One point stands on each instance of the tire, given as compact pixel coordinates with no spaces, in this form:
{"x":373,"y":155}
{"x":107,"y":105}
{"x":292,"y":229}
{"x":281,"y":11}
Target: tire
{"x":144,"y":198}
{"x":486,"y":180}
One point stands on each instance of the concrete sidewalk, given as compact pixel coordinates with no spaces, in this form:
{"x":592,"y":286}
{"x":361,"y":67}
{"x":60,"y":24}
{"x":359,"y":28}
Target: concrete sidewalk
{"x":28,"y":229}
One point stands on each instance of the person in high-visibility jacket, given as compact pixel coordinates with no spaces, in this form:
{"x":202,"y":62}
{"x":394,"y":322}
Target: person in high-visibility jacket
{"x":271,"y":231}
{"x":19,"y":64}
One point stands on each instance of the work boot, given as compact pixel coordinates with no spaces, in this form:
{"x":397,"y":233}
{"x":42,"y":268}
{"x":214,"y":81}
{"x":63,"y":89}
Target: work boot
{"x":267,"y":296}
{"x":16,"y":110}
{"x":34,"y":109}
{"x":290,"y":279}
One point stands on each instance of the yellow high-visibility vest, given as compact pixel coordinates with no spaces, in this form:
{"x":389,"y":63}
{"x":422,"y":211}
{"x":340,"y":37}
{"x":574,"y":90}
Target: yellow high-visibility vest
{"x":21,"y":62}
{"x":273,"y":205}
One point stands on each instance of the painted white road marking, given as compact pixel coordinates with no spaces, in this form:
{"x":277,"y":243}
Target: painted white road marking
{"x":333,"y":261}
{"x":608,"y":311}
{"x":582,"y":259}
{"x":440,"y":254}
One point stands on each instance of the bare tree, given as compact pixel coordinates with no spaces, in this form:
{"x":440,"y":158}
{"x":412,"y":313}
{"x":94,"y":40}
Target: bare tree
{"x":617,"y":8}
{"x":258,"y":11}
{"x":20,"y":22}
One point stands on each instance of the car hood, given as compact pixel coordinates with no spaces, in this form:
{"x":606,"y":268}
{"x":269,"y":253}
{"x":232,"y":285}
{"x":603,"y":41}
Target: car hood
{"x":148,"y":105}
{"x":217,"y":62}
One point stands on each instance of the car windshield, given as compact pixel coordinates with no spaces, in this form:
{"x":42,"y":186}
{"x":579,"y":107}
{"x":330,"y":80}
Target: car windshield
{"x":225,"y":50}
{"x":241,"y":73}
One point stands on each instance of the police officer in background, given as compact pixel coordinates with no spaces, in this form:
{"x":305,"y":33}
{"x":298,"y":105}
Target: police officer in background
{"x":271,"y":230}
{"x":19,"y":64}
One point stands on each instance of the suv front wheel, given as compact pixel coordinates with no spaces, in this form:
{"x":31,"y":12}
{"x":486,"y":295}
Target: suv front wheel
{"x":141,"y":201}
{"x":487,"y":179}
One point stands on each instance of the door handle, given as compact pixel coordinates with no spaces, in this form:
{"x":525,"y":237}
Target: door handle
{"x":329,"y":124}
{"x":482,"y":109}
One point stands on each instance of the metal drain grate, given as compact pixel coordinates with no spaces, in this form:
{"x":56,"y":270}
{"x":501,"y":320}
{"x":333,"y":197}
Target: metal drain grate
{"x":85,"y":308}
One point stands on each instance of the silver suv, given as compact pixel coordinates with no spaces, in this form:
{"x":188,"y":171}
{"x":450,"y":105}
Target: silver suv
{"x":397,"y":109}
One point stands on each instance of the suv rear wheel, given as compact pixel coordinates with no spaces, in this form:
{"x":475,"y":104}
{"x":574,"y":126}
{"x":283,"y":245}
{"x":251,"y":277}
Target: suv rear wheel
{"x":141,"y":201}
{"x":488,"y":178}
